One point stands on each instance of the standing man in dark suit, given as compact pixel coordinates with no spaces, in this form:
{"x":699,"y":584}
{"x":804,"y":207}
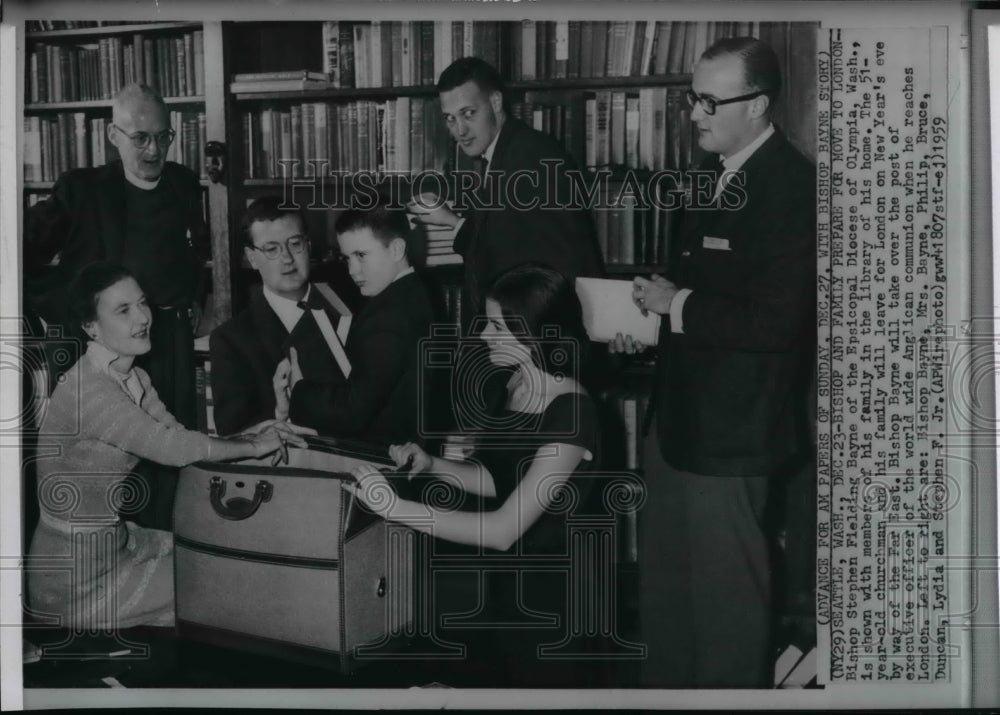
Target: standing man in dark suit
{"x":378,"y":402}
{"x":734,"y":361}
{"x":145,"y":213}
{"x":529,"y":213}
{"x":521,"y":210}
{"x":246,"y":350}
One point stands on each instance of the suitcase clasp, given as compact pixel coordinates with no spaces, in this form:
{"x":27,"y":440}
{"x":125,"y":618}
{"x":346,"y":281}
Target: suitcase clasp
{"x":238,"y":508}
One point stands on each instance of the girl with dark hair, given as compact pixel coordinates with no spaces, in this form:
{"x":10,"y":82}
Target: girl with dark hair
{"x":529,"y":468}
{"x":101,"y":419}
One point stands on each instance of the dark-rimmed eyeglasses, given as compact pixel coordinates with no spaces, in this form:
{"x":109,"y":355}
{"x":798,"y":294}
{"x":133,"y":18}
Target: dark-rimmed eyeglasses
{"x":294,"y":245}
{"x":141,"y":140}
{"x":710,"y":103}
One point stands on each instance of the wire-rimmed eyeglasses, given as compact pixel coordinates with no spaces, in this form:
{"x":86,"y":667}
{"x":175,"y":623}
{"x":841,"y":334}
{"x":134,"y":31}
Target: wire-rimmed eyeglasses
{"x":271,"y":251}
{"x":141,"y":140}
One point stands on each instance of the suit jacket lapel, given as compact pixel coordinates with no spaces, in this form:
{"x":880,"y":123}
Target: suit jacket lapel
{"x":270,"y":331}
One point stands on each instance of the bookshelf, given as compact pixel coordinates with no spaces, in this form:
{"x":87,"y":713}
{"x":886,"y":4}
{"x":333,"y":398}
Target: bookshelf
{"x":610,"y":91}
{"x":624,"y":92}
{"x":73,"y":71}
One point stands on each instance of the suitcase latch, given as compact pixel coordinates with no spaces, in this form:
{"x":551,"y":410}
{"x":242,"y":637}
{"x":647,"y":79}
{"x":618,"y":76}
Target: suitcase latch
{"x":237,"y":508}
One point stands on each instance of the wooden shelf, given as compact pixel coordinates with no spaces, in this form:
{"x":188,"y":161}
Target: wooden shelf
{"x":338,"y":93}
{"x":629,"y":268}
{"x":582,"y":83}
{"x":103,"y":104}
{"x":585,"y":83}
{"x":114,"y":30}
{"x":47,"y":185}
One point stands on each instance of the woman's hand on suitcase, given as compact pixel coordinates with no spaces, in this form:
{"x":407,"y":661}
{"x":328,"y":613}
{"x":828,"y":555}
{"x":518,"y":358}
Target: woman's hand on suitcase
{"x":275,"y":436}
{"x":291,"y":432}
{"x":412,"y":456}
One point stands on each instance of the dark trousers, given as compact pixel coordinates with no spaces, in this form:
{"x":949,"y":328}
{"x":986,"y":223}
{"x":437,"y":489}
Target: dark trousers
{"x":704,"y":579}
{"x":170,"y":365}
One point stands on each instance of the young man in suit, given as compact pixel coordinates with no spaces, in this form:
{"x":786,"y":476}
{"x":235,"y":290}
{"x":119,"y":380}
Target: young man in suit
{"x":246,"y":350}
{"x":378,"y":400}
{"x":535,"y":219}
{"x":734,"y":363}
{"x":146,"y":213}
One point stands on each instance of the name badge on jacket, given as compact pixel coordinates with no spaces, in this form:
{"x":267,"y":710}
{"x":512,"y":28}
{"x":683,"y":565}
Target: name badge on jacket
{"x":717,"y":244}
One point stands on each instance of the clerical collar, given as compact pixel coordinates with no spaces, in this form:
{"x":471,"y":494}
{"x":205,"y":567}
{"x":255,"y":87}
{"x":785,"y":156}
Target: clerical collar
{"x":140,"y":183}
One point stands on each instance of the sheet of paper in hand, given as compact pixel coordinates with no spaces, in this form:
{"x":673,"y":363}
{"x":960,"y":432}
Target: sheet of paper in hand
{"x":608,"y":310}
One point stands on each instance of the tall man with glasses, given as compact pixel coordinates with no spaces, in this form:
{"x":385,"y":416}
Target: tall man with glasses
{"x":147,"y":214}
{"x":734,"y":363}
{"x":246,"y":350}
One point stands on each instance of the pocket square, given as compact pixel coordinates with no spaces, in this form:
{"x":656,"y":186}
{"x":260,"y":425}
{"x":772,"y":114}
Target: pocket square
{"x":717,"y":244}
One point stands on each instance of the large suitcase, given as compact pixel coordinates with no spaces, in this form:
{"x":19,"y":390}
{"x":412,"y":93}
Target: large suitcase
{"x":282,"y":560}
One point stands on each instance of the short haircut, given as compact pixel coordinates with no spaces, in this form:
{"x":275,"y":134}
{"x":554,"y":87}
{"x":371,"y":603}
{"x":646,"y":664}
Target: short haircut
{"x":87,"y":286}
{"x":761,"y":70}
{"x":136,"y":93}
{"x":541,"y":308}
{"x":465,"y":69}
{"x":385,"y":223}
{"x":268,"y":208}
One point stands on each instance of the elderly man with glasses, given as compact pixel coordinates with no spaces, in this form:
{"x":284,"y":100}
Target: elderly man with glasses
{"x":246,"y":350}
{"x":147,"y":214}
{"x":734,"y":363}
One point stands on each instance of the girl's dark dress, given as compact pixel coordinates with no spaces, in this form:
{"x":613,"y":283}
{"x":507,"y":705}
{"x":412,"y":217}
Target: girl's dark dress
{"x":530,"y":606}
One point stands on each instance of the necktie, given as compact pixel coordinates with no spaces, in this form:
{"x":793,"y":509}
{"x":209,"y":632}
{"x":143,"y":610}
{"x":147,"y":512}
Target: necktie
{"x":481,"y":164}
{"x":315,"y":308}
{"x":724,"y":176}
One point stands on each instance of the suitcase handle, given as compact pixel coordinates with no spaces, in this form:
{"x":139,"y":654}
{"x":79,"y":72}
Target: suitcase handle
{"x":238,"y":508}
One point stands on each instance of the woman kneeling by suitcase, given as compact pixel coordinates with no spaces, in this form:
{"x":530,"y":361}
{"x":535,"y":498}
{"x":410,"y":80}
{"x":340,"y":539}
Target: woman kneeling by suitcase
{"x":86,"y":565}
{"x":546,"y":439}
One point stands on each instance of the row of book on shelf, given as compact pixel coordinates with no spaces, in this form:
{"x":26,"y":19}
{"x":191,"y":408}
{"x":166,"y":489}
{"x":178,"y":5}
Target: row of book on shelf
{"x":647,"y":129}
{"x":401,"y":135}
{"x":173,"y":66}
{"x":631,"y":231}
{"x":48,"y":25}
{"x":412,"y":53}
{"x":405,"y":53}
{"x":70,"y":140}
{"x":631,"y":406}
